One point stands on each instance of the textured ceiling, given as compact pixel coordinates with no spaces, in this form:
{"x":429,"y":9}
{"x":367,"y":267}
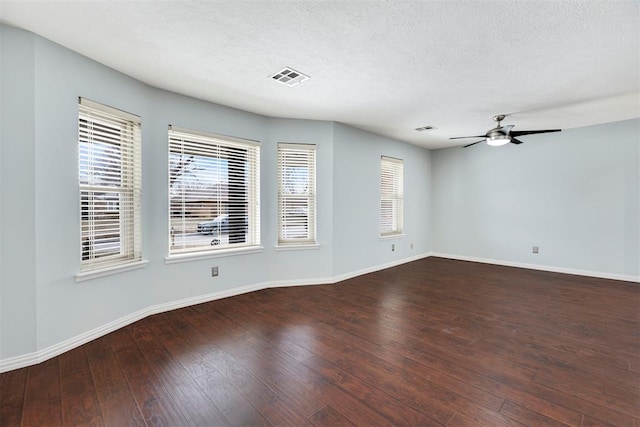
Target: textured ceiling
{"x":385,"y":66}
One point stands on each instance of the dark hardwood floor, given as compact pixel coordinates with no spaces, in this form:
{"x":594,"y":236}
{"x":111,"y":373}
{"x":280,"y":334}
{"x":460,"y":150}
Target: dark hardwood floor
{"x":430,"y":343}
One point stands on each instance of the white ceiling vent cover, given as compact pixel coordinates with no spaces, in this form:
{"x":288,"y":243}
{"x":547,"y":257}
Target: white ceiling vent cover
{"x":290,"y":77}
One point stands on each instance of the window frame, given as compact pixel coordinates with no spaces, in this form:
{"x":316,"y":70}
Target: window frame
{"x":298,"y":154}
{"x":101,"y":129}
{"x":391,"y":193}
{"x":183,"y":140}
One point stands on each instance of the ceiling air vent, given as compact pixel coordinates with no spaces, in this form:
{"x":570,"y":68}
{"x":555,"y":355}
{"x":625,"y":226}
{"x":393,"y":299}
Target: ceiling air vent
{"x":290,"y":77}
{"x":426,"y":128}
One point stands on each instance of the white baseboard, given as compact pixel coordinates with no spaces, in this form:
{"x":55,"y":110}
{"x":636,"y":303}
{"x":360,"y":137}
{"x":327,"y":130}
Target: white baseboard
{"x":71,"y":343}
{"x":552,"y":269}
{"x":368,"y":270}
{"x":34,"y":358}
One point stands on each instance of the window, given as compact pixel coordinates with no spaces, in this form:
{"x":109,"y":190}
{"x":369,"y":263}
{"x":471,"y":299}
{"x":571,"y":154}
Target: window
{"x":296,"y":194}
{"x":110,"y":181}
{"x":391,"y":196}
{"x":214,"y":192}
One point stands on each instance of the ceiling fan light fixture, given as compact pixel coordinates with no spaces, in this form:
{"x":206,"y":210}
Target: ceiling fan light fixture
{"x":498,"y":140}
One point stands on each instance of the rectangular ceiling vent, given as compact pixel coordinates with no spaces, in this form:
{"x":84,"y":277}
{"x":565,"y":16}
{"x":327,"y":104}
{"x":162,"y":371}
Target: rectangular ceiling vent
{"x":426,"y":128}
{"x":290,"y":77}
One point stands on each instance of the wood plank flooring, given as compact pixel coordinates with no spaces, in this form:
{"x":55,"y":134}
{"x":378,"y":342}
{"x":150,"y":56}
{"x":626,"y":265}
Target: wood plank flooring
{"x":435,"y":342}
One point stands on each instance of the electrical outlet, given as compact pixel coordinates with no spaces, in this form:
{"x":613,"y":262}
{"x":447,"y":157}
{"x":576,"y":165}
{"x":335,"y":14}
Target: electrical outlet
{"x":393,"y":247}
{"x":536,"y":250}
{"x":214,"y":271}
{"x":411,"y":246}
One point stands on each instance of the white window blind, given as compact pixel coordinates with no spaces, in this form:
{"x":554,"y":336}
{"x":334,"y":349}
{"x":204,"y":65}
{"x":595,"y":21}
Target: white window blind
{"x":109,"y":143}
{"x":214,"y":192}
{"x":391,"y":196}
{"x":296,"y":194}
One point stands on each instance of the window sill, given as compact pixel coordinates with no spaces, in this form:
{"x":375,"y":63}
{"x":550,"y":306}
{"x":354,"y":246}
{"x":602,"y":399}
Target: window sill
{"x":297,"y":247}
{"x":174,"y":259}
{"x":392,"y":236}
{"x":94,"y":274}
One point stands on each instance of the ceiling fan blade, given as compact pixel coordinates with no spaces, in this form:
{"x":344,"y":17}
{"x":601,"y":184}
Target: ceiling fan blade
{"x":515,"y":141}
{"x":473,"y":143}
{"x":462,"y":137}
{"x":531,"y":132}
{"x":506,"y":129}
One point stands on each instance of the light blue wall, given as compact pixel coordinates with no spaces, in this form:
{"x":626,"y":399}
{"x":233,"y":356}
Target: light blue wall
{"x":42,"y":305}
{"x":176,"y":281}
{"x":575,"y":194}
{"x":17,"y":189}
{"x":66,"y":308}
{"x":356,"y":200}
{"x":300,"y":264}
{"x":1,"y":193}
